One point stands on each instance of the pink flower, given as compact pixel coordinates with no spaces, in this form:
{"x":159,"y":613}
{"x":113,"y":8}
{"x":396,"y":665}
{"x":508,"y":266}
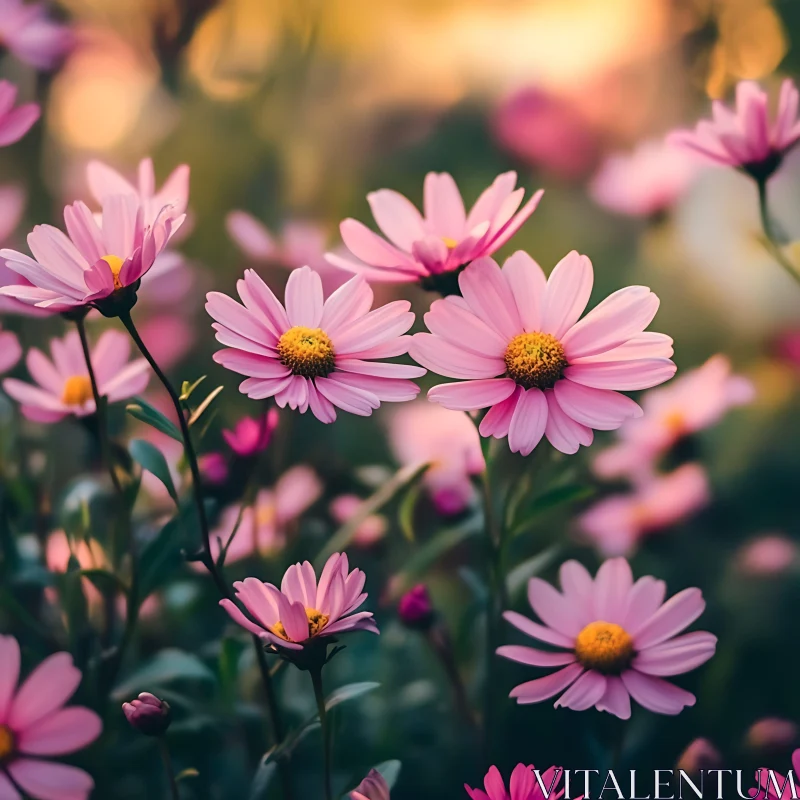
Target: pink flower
{"x":515,"y":341}
{"x":12,"y":206}
{"x":370,"y":530}
{"x":14,"y":122}
{"x":422,"y":433}
{"x":373,"y":787}
{"x":745,"y":138}
{"x":251,"y":436}
{"x":767,"y":555}
{"x":10,"y":350}
{"x":97,"y":258}
{"x":695,"y":401}
{"x":315,"y":353}
{"x":167,"y":336}
{"x":699,"y":755}
{"x":523,"y":786}
{"x":443,"y":240}
{"x":213,"y":468}
{"x":63,"y":385}
{"x":771,"y":733}
{"x":302,"y":609}
{"x":645,"y":182}
{"x":33,"y":38}
{"x":148,"y":714}
{"x":617,"y":523}
{"x":89,"y":555}
{"x":33,"y":723}
{"x":262,"y":530}
{"x":415,"y":608}
{"x":617,"y":640}
{"x":785,"y":788}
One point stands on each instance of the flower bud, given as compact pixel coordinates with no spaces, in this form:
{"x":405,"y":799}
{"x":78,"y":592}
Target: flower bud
{"x":771,"y":734}
{"x":251,"y":436}
{"x":415,"y":608}
{"x":373,"y":787}
{"x":148,"y":715}
{"x":699,"y":755}
{"x":213,"y":468}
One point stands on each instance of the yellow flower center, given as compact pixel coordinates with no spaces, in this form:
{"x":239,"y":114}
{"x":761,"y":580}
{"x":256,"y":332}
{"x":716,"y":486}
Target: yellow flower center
{"x":535,"y":360}
{"x":7,"y":743}
{"x":605,"y":647}
{"x":77,"y":390}
{"x":115,"y":265}
{"x":675,"y":423}
{"x":307,"y":352}
{"x":449,"y":243}
{"x":316,"y":622}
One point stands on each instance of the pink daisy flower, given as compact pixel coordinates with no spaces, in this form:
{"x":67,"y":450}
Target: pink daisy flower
{"x":373,"y":787}
{"x":617,"y":640}
{"x":443,"y":240}
{"x":250,"y":436}
{"x":10,"y":350}
{"x":516,"y":342}
{"x":34,"y":723}
{"x":617,"y":523}
{"x":62,"y":381}
{"x":303,"y":610}
{"x":14,"y":122}
{"x":315,"y":353}
{"x":33,"y":38}
{"x":745,"y":137}
{"x":523,"y":785}
{"x":776,"y":786}
{"x":94,"y":259}
{"x":646,"y":182}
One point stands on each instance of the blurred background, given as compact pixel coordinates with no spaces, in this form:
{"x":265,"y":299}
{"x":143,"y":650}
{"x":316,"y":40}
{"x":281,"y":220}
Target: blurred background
{"x":292,"y":112}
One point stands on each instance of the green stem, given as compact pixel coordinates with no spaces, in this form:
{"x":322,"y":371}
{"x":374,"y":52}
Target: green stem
{"x":773,"y":246}
{"x":167,"y":761}
{"x":316,"y":679}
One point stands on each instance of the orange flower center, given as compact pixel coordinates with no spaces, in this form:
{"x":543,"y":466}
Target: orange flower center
{"x":77,"y":390}
{"x":316,"y":622}
{"x":449,"y":243}
{"x":115,"y":265}
{"x":7,"y":742}
{"x":535,"y":360}
{"x":307,"y":352}
{"x":605,"y":647}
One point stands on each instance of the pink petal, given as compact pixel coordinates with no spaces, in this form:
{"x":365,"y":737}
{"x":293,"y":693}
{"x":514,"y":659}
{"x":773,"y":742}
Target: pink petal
{"x":563,"y":432}
{"x":377,"y":327}
{"x":472,"y":395}
{"x":542,"y":688}
{"x":646,"y":598}
{"x":612,"y":587}
{"x":567,"y":293}
{"x":397,"y":217}
{"x":348,"y":398}
{"x":235,"y":613}
{"x":444,"y":208}
{"x":84,"y":231}
{"x":576,"y":582}
{"x":656,"y":694}
{"x":556,"y":610}
{"x":261,"y":300}
{"x":489,"y":297}
{"x":678,"y":655}
{"x":677,"y":613}
{"x":351,"y":301}
{"x":379,"y":368}
{"x":320,"y":406}
{"x":373,"y":250}
{"x":250,"y":235}
{"x":9,"y":792}
{"x":643,"y":373}
{"x":304,"y":298}
{"x":46,"y":689}
{"x":450,"y":361}
{"x":390,"y":390}
{"x":536,"y":658}
{"x":453,"y":321}
{"x":15,"y":124}
{"x":237,"y":318}
{"x":250,"y":364}
{"x":497,"y":421}
{"x":46,"y":780}
{"x":528,"y":284}
{"x":584,"y":693}
{"x":537,"y":631}
{"x":528,"y":422}
{"x":491,"y":199}
{"x":595,"y":408}
{"x":62,"y":732}
{"x":514,"y":224}
{"x":644,"y":345}
{"x":616,"y":699}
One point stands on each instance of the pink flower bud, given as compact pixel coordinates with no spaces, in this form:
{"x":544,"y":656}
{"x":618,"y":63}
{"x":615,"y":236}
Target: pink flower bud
{"x":699,"y":755}
{"x":373,"y":787}
{"x":251,"y":436}
{"x":771,"y":733}
{"x":415,"y":608}
{"x":148,"y":715}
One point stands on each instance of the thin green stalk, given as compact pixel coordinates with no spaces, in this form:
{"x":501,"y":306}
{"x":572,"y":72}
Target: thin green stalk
{"x":773,"y":246}
{"x":316,"y":679}
{"x":167,"y":761}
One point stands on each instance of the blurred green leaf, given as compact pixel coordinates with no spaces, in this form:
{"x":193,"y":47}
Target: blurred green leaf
{"x":198,"y":412}
{"x":107,"y":582}
{"x":267,"y":769}
{"x":349,"y":692}
{"x":408,"y":507}
{"x":165,"y":667}
{"x":390,"y":771}
{"x":142,"y":410}
{"x":518,"y":577}
{"x":152,"y":459}
{"x":549,"y":501}
{"x":163,"y":555}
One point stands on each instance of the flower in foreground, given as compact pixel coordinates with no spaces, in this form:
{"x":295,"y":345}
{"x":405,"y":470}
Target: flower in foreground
{"x":14,"y":122}
{"x":617,"y":640}
{"x":523,"y":785}
{"x":148,"y":715}
{"x":304,"y":610}
{"x":34,"y":724}
{"x":315,"y":353}
{"x":442,"y":240}
{"x":30,"y":35}
{"x":251,"y":436}
{"x":617,"y":523}
{"x":516,"y":342}
{"x":373,"y":787}
{"x":776,"y":786}
{"x":62,"y":381}
{"x":745,"y":137}
{"x":95,"y":258}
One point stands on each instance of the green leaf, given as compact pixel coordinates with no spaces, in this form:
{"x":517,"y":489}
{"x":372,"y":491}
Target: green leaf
{"x":163,"y":555}
{"x":142,"y":410}
{"x":152,"y":459}
{"x":166,"y":667}
{"x":549,"y":501}
{"x":107,"y":582}
{"x":267,"y":769}
{"x":522,"y":573}
{"x":198,"y":412}
{"x":187,"y":388}
{"x":408,"y":507}
{"x":349,"y":692}
{"x":390,"y":771}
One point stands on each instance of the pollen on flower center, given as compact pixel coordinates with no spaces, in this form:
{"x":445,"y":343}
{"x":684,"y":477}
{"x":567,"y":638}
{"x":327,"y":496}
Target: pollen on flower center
{"x":316,"y":622}
{"x":307,"y":352}
{"x":7,"y":742}
{"x":605,"y":647}
{"x":449,"y":243}
{"x":77,"y":390}
{"x":115,"y":265}
{"x":535,"y":360}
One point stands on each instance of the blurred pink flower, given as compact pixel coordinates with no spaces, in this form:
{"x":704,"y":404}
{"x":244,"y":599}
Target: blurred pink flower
{"x":31,"y":36}
{"x":415,"y":608}
{"x":371,"y":530}
{"x":616,"y":524}
{"x":252,"y":436}
{"x":262,"y":531}
{"x":443,"y":240}
{"x":302,"y":609}
{"x":771,"y":733}
{"x":63,"y":384}
{"x":168,"y":337}
{"x":745,"y":137}
{"x":523,"y":786}
{"x":699,"y":755}
{"x":695,"y":401}
{"x":97,"y":257}
{"x":10,"y":350}
{"x":424,"y":433}
{"x":645,"y":182}
{"x":373,"y":787}
{"x":767,"y":555}
{"x":618,"y":639}
{"x":546,"y":131}
{"x":213,"y":468}
{"x":14,"y":122}
{"x":34,"y":723}
{"x":315,"y":353}
{"x":515,"y":341}
{"x":785,"y":789}
{"x":89,"y":555}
